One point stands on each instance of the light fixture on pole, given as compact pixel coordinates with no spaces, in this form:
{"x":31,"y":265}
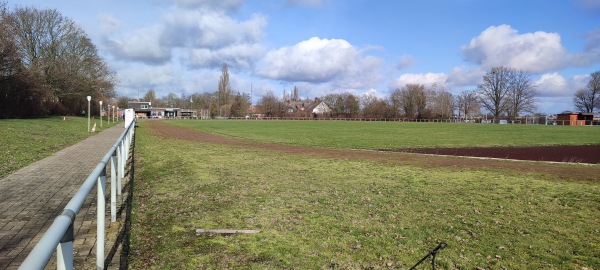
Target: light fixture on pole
{"x":117,"y":114}
{"x":100,"y":112}
{"x":89,"y":98}
{"x":113,"y":118}
{"x":108,"y":115}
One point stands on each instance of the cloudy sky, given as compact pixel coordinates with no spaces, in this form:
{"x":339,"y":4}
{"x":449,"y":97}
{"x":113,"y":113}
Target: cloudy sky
{"x":327,"y":46}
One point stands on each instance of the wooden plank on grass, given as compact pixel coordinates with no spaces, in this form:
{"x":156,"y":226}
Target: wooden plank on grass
{"x":225,"y":231}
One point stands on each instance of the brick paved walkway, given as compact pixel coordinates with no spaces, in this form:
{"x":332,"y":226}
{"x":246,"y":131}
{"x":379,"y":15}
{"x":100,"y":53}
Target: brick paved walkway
{"x":32,"y":197}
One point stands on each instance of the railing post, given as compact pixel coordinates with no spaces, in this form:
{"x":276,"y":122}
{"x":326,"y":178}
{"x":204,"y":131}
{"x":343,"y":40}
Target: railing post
{"x":119,"y":164}
{"x":113,"y":187}
{"x":100,"y":225}
{"x":64,"y":250}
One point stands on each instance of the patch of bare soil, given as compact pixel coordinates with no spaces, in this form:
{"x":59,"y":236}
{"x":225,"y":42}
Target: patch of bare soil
{"x":559,"y":153}
{"x":554,"y":171}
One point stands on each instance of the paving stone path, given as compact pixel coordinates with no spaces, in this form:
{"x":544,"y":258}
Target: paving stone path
{"x":32,"y":197}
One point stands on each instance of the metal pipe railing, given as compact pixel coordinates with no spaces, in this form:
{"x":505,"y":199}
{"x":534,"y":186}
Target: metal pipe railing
{"x":60,"y":234}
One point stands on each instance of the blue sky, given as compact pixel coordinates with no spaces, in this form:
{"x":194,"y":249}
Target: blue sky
{"x":331,"y":46}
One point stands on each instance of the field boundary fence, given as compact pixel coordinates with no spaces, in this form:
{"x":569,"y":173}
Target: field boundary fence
{"x":60,"y":235}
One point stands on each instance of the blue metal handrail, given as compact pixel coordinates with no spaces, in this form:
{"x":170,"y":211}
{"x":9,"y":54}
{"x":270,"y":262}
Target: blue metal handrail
{"x":60,"y":234}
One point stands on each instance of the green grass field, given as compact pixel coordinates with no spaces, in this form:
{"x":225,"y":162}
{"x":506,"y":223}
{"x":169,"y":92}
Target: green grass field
{"x":319,"y":212}
{"x":25,"y":141}
{"x":369,"y":135}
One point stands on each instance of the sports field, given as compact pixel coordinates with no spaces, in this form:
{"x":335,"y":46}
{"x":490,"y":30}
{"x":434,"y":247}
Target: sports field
{"x":25,"y":141}
{"x":322,"y":199}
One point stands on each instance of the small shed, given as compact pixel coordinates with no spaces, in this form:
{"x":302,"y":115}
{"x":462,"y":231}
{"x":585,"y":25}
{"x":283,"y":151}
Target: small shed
{"x":574,"y":119}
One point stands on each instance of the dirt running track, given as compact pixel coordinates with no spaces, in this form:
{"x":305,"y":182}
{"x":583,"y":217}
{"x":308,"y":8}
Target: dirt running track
{"x":587,"y":154}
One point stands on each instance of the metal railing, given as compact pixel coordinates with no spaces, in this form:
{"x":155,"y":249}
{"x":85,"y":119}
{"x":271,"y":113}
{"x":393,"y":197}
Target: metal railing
{"x":60,"y":235}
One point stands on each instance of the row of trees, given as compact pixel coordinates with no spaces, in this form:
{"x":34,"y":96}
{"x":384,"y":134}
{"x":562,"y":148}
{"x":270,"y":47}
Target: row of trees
{"x":505,"y":92}
{"x":48,"y":65}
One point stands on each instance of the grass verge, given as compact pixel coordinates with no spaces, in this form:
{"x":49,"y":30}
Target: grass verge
{"x":25,"y":141}
{"x":329,"y":213}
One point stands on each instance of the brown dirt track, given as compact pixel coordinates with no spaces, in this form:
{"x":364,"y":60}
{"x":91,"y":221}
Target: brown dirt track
{"x":559,"y":153}
{"x":586,"y":154}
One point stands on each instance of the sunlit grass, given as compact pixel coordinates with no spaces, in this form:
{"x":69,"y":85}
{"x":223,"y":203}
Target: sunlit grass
{"x":368,"y":135}
{"x":25,"y":141}
{"x":316,"y":212}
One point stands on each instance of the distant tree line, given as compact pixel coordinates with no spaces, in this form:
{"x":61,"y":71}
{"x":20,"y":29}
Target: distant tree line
{"x":48,"y":65}
{"x":505,"y":93}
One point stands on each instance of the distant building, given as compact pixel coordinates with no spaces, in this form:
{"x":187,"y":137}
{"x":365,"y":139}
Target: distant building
{"x":574,"y":119}
{"x":322,"y":108}
{"x":144,"y":109}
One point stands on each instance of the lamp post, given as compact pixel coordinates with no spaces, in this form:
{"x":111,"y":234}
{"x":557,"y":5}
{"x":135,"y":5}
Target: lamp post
{"x":113,"y":114}
{"x":117,"y":114}
{"x":100,"y":112}
{"x":89,"y":98}
{"x":108,"y":115}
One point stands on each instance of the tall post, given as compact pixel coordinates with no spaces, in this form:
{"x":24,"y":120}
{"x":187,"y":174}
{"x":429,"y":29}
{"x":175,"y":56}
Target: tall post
{"x":108,"y":115}
{"x":100,"y":224}
{"x":100,"y":112}
{"x":89,"y":98}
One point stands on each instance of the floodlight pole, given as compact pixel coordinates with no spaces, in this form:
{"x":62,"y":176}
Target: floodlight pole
{"x":100,"y":112}
{"x":89,"y":98}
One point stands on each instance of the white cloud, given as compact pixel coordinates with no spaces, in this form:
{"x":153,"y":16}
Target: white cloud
{"x":315,"y":60}
{"x":226,"y":5}
{"x":460,"y":76}
{"x":142,"y":46}
{"x":504,"y":46}
{"x":555,"y":85}
{"x":406,"y":61}
{"x":108,"y":24}
{"x":237,"y":55}
{"x":195,"y":28}
{"x":320,"y":61}
{"x":427,"y":79}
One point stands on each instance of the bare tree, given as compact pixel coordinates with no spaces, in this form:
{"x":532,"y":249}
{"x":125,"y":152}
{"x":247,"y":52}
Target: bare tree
{"x":351,"y":107}
{"x":442,"y":105}
{"x":521,"y":94}
{"x":494,"y":90}
{"x":588,"y":98}
{"x":269,"y":104}
{"x":224,"y":92}
{"x":150,"y":96}
{"x":54,"y":46}
{"x":467,"y":104}
{"x":413,"y":101}
{"x":240,"y":105}
{"x":23,"y":92}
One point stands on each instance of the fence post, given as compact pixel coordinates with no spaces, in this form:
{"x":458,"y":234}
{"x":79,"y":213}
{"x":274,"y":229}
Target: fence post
{"x":113,"y":187}
{"x":119,"y":164}
{"x":100,"y":212}
{"x":64,"y":250}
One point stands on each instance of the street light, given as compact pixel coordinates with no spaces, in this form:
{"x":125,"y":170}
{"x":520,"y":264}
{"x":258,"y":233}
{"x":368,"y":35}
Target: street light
{"x":113,"y":114}
{"x":89,"y":98}
{"x":100,"y":112}
{"x":108,"y":115}
{"x":117,"y":114}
